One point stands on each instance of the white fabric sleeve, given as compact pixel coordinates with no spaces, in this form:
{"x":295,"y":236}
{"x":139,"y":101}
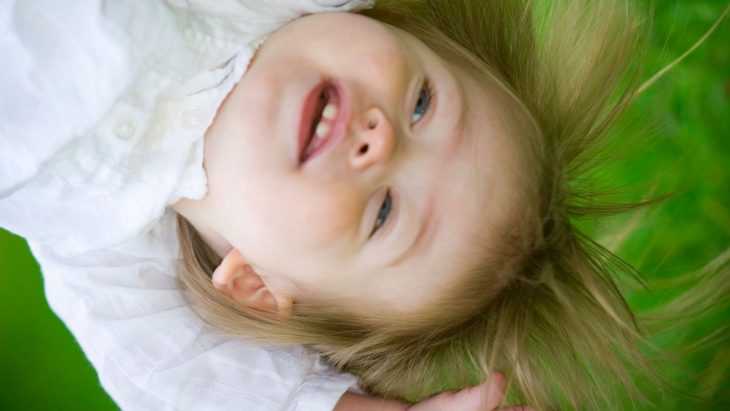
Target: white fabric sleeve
{"x":126,"y":309}
{"x":51,"y":49}
{"x":72,"y":101}
{"x":255,"y":11}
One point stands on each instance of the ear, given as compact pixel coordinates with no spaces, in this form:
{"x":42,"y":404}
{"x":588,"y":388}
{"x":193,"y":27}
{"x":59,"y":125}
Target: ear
{"x":238,"y":281}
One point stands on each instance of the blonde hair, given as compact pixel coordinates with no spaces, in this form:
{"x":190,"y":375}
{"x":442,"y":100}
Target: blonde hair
{"x":560,"y":327}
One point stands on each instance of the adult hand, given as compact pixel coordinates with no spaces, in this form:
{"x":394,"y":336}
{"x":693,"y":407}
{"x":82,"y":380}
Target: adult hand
{"x":483,"y":397}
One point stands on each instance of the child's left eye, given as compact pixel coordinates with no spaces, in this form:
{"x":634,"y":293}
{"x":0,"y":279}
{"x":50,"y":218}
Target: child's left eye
{"x":383,"y":213}
{"x":424,"y":101}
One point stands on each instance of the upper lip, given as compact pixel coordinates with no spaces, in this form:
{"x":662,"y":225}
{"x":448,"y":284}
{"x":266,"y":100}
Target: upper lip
{"x":307,"y":117}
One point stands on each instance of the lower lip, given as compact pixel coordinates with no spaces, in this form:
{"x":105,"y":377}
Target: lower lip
{"x":305,"y":124}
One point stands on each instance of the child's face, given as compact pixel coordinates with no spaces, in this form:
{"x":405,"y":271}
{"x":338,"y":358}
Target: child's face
{"x":448,"y":166}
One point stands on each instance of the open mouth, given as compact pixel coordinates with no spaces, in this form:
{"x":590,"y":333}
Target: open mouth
{"x":319,"y":119}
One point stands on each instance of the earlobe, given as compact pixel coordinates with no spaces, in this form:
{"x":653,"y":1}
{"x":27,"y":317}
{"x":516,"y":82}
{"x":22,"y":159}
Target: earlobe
{"x":238,"y":281}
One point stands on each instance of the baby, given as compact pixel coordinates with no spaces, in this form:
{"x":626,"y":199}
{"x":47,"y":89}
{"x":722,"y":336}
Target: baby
{"x":396,"y":197}
{"x":393,"y":189}
{"x":400,"y":198}
{"x":354,"y":175}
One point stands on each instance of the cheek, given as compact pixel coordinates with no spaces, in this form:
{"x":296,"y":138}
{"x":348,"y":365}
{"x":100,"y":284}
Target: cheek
{"x":314,"y":220}
{"x":323,"y":217}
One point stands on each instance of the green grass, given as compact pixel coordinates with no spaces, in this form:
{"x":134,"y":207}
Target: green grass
{"x":42,"y":367}
{"x":687,"y":150}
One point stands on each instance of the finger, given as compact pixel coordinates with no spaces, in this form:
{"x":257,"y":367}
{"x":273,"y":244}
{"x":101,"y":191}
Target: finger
{"x":482,"y":397}
{"x":472,"y":398}
{"x":496,"y":387}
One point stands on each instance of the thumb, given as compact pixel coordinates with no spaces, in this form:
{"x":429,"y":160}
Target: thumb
{"x":483,"y":397}
{"x":496,"y":387}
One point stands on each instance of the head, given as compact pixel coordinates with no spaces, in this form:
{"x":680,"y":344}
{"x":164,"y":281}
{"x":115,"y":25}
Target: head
{"x":430,"y":217}
{"x":423,"y":171}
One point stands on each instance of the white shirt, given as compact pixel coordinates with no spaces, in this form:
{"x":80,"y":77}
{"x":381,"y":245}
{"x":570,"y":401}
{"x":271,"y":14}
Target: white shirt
{"x":125,"y":308}
{"x":102,"y":119}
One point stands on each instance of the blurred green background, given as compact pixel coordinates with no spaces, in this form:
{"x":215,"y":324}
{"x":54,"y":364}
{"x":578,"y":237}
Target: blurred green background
{"x":687,"y":148}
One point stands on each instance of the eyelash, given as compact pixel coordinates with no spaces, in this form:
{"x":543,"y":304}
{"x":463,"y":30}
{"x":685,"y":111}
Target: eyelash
{"x":386,"y":208}
{"x":387,"y":205}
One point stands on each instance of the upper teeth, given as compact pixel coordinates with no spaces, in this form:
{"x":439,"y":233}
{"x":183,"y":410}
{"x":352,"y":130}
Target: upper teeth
{"x":330,"y":111}
{"x":325,"y":122}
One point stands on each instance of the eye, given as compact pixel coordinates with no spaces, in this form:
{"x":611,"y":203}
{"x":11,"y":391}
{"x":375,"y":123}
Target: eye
{"x":383,"y":213}
{"x":424,"y":101}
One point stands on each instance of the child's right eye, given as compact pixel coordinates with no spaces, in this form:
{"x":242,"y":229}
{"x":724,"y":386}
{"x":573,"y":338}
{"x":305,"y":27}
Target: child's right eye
{"x":383,"y":213}
{"x":424,"y":101}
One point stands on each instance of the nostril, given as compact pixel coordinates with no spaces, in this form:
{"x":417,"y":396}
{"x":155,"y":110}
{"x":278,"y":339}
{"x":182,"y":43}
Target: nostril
{"x":364,"y":149}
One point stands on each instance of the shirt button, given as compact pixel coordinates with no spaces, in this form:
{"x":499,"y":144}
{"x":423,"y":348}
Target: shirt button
{"x":124,"y":130}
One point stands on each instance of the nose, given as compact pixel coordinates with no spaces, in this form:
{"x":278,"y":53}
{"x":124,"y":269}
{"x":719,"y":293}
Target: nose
{"x":375,"y":143}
